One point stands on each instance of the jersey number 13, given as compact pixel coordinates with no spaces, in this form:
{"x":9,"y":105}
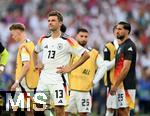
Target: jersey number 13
{"x":51,"y":54}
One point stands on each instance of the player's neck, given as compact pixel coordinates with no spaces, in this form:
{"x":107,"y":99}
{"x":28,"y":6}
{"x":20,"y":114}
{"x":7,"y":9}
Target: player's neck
{"x":22,"y":39}
{"x":56,"y":34}
{"x":126,"y":37}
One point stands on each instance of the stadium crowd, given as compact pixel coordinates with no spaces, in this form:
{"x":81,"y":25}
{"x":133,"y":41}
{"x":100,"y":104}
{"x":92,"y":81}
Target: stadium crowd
{"x":99,"y":17}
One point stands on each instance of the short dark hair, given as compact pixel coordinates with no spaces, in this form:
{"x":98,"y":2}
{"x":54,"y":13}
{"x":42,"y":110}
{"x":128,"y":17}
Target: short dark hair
{"x":63,"y":28}
{"x":82,"y":30}
{"x":56,"y":13}
{"x":126,"y":26}
{"x":19,"y":26}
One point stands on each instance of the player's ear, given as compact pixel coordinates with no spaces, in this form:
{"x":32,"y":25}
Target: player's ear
{"x":127,"y":32}
{"x":60,"y":23}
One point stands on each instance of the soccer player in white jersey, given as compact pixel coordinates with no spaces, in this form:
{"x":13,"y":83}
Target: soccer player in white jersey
{"x":57,"y":50}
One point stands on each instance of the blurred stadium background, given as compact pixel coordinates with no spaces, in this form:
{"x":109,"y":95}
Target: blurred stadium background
{"x":99,"y":17}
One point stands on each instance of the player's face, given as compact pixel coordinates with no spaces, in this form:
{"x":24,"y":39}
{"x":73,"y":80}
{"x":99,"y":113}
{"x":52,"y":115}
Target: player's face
{"x":82,"y":38}
{"x":120,"y":32}
{"x":53,"y":23}
{"x":16,"y":34}
{"x":115,"y":32}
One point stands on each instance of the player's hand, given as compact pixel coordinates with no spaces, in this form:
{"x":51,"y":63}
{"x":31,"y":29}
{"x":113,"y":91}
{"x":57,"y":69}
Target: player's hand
{"x":39,"y":66}
{"x":113,"y":90}
{"x":14,"y":86}
{"x":63,"y":69}
{"x":2,"y":69}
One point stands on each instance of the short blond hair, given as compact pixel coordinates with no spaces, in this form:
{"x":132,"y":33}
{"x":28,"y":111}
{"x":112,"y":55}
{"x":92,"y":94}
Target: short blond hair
{"x":19,"y":26}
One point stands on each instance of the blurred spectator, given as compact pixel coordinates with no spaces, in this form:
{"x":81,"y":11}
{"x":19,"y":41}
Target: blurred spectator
{"x":144,"y":91}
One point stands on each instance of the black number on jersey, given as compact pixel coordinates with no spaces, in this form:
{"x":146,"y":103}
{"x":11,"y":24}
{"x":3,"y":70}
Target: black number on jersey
{"x":86,"y":71}
{"x":51,"y":54}
{"x":59,"y":93}
{"x":120,"y":97}
{"x":85,"y":102}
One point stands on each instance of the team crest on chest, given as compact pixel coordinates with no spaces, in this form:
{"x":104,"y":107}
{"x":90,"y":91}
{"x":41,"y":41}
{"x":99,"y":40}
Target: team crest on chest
{"x":60,"y":46}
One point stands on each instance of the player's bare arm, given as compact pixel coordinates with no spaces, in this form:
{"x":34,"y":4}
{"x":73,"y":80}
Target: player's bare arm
{"x":66,"y":69}
{"x":24,"y":71}
{"x":37,"y":62}
{"x":123,"y":74}
{"x":35,"y":59}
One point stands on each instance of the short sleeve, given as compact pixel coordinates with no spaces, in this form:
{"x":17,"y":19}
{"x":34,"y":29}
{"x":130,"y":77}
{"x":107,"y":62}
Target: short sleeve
{"x":25,"y":56}
{"x":1,"y":48}
{"x":106,"y":53}
{"x":75,"y":48}
{"x":38,"y":47}
{"x":128,"y":53}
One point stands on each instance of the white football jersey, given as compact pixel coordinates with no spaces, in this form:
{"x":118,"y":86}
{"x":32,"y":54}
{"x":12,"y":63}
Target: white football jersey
{"x":57,"y":52}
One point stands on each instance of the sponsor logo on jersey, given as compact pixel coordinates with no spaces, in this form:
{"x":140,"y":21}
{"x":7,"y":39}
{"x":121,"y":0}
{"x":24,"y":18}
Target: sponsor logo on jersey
{"x":60,"y":101}
{"x":87,"y":108}
{"x":105,"y":50}
{"x":130,"y":49}
{"x":46,"y":46}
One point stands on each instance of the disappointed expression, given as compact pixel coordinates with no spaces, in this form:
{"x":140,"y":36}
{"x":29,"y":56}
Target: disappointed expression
{"x":82,"y":38}
{"x":53,"y":23}
{"x":16,"y":34}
